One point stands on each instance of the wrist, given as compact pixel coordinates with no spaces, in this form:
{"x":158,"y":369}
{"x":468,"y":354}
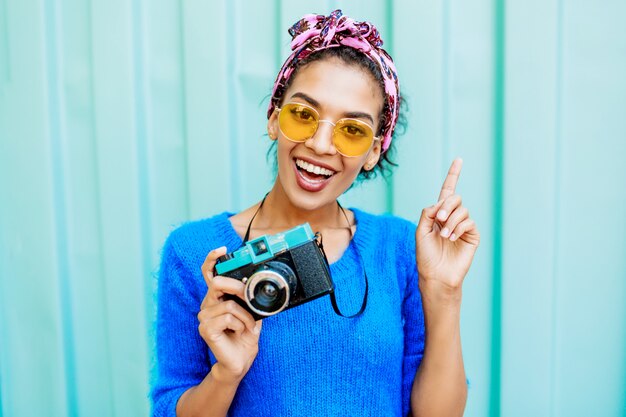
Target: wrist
{"x":224,"y":376}
{"x":439,"y":295}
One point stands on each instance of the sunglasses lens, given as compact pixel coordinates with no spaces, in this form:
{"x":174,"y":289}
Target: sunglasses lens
{"x":298,"y":122}
{"x":353,"y":137}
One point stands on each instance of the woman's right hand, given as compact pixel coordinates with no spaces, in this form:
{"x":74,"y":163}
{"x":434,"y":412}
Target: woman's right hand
{"x":227,"y":328}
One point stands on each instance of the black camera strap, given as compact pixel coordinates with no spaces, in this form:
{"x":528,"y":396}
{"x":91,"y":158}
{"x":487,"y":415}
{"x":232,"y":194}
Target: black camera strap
{"x":333,"y":300}
{"x":247,"y":236}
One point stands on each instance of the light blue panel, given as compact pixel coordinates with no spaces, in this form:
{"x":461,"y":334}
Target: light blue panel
{"x":253,"y":75}
{"x":92,"y":378}
{"x":444,"y":56}
{"x":117,"y":132}
{"x":161,"y":53}
{"x":207,"y":72}
{"x":419,"y":43}
{"x":165,"y":95}
{"x":469,"y":133}
{"x":5,"y":74}
{"x":590,"y":308}
{"x":33,"y":261}
{"x":531,"y":146}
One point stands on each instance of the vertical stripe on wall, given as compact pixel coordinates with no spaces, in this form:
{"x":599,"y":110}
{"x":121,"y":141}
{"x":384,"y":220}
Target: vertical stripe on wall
{"x":498,"y":180}
{"x":57,"y":147}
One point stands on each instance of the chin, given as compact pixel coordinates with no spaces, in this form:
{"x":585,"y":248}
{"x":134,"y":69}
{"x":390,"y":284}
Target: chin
{"x":305,"y":200}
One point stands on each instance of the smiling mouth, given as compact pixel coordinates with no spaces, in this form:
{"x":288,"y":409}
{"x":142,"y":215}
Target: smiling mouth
{"x":313,"y":172}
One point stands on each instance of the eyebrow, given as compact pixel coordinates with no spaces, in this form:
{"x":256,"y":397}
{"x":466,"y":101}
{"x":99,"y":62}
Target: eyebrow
{"x":350,"y":115}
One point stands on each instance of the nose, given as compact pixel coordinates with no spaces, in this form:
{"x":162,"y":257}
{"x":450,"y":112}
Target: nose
{"x":322,"y":141}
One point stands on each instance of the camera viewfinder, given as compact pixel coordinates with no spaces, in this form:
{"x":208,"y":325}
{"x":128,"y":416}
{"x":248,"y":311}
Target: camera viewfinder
{"x":259,"y":247}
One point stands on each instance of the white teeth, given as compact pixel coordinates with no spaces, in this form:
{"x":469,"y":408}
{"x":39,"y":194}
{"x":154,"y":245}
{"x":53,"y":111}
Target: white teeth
{"x":314,"y":169}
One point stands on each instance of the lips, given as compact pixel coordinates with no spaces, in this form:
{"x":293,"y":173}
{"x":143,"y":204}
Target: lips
{"x":311,"y":176}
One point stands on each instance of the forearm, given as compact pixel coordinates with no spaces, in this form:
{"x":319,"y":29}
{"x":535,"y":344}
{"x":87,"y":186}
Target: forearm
{"x":440,"y":388}
{"x":211,"y":398}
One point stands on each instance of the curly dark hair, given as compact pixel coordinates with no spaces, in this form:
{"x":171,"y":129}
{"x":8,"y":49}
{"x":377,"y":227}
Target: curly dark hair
{"x":354,"y":57}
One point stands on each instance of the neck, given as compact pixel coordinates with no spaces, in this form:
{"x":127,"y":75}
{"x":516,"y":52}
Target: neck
{"x":278,"y":211}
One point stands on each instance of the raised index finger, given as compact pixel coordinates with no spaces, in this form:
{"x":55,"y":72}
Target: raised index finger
{"x":449,"y":185}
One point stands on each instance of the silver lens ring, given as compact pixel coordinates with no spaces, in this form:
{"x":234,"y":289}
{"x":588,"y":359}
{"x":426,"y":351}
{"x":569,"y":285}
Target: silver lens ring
{"x":261,"y":277}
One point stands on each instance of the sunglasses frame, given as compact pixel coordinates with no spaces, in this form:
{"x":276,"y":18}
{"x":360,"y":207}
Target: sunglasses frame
{"x":320,"y":120}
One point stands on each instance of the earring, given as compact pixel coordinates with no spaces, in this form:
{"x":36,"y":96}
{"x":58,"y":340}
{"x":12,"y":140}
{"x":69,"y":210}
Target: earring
{"x":271,"y":134}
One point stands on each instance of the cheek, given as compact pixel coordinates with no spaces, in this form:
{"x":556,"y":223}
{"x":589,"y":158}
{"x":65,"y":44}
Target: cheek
{"x":283,"y":153}
{"x":352,"y":167}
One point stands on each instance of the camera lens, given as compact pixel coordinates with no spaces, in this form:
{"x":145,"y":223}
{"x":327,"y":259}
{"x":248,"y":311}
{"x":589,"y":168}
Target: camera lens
{"x":267,"y":294}
{"x":268,"y":290}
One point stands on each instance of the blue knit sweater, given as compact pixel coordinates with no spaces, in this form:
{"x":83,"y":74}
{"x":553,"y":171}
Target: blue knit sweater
{"x":310,"y":361}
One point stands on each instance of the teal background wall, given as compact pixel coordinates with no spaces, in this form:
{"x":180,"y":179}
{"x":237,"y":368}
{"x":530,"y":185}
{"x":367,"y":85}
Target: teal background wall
{"x":121,"y":119}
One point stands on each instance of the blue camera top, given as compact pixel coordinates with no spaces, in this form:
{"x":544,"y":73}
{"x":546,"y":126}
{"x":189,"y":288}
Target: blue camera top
{"x":265,"y":247}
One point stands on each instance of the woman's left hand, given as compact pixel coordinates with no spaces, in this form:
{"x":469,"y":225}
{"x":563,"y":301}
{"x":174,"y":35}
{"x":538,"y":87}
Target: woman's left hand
{"x":446,"y":238}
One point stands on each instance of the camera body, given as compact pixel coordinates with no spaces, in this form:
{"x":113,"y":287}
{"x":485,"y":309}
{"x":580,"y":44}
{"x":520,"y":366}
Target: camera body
{"x":279,"y":271}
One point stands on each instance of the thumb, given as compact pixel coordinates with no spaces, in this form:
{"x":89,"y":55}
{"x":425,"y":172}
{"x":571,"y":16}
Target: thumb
{"x":427,"y":219}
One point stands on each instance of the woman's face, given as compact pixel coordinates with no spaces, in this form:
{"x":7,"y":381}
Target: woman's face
{"x":336,"y":90}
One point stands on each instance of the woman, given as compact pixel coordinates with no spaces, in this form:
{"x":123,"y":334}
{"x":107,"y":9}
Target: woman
{"x":332,"y":115}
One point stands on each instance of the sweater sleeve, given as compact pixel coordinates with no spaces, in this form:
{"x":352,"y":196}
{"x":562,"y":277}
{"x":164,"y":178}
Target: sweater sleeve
{"x":413,"y":317}
{"x":182,"y":359}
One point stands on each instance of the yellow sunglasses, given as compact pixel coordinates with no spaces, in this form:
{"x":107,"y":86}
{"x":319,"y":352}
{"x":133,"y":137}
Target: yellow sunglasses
{"x":299,"y":122}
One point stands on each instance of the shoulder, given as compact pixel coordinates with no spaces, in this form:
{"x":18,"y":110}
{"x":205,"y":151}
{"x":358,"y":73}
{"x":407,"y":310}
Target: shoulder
{"x":191,"y":241}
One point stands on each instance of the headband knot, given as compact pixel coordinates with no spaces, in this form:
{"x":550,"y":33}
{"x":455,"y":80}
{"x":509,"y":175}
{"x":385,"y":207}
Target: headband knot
{"x":320,"y":32}
{"x":315,"y":32}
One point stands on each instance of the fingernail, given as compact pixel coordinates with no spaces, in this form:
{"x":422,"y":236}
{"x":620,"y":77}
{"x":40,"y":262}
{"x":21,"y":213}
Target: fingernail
{"x":442,"y":214}
{"x":452,"y":237}
{"x":445,"y":232}
{"x":257,"y":328}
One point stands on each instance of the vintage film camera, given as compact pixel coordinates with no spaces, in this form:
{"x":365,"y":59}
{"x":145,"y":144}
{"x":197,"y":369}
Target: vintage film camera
{"x":279,"y":271}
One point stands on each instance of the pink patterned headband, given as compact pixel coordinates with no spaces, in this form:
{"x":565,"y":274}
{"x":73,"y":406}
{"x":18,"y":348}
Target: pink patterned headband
{"x":315,"y":32}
